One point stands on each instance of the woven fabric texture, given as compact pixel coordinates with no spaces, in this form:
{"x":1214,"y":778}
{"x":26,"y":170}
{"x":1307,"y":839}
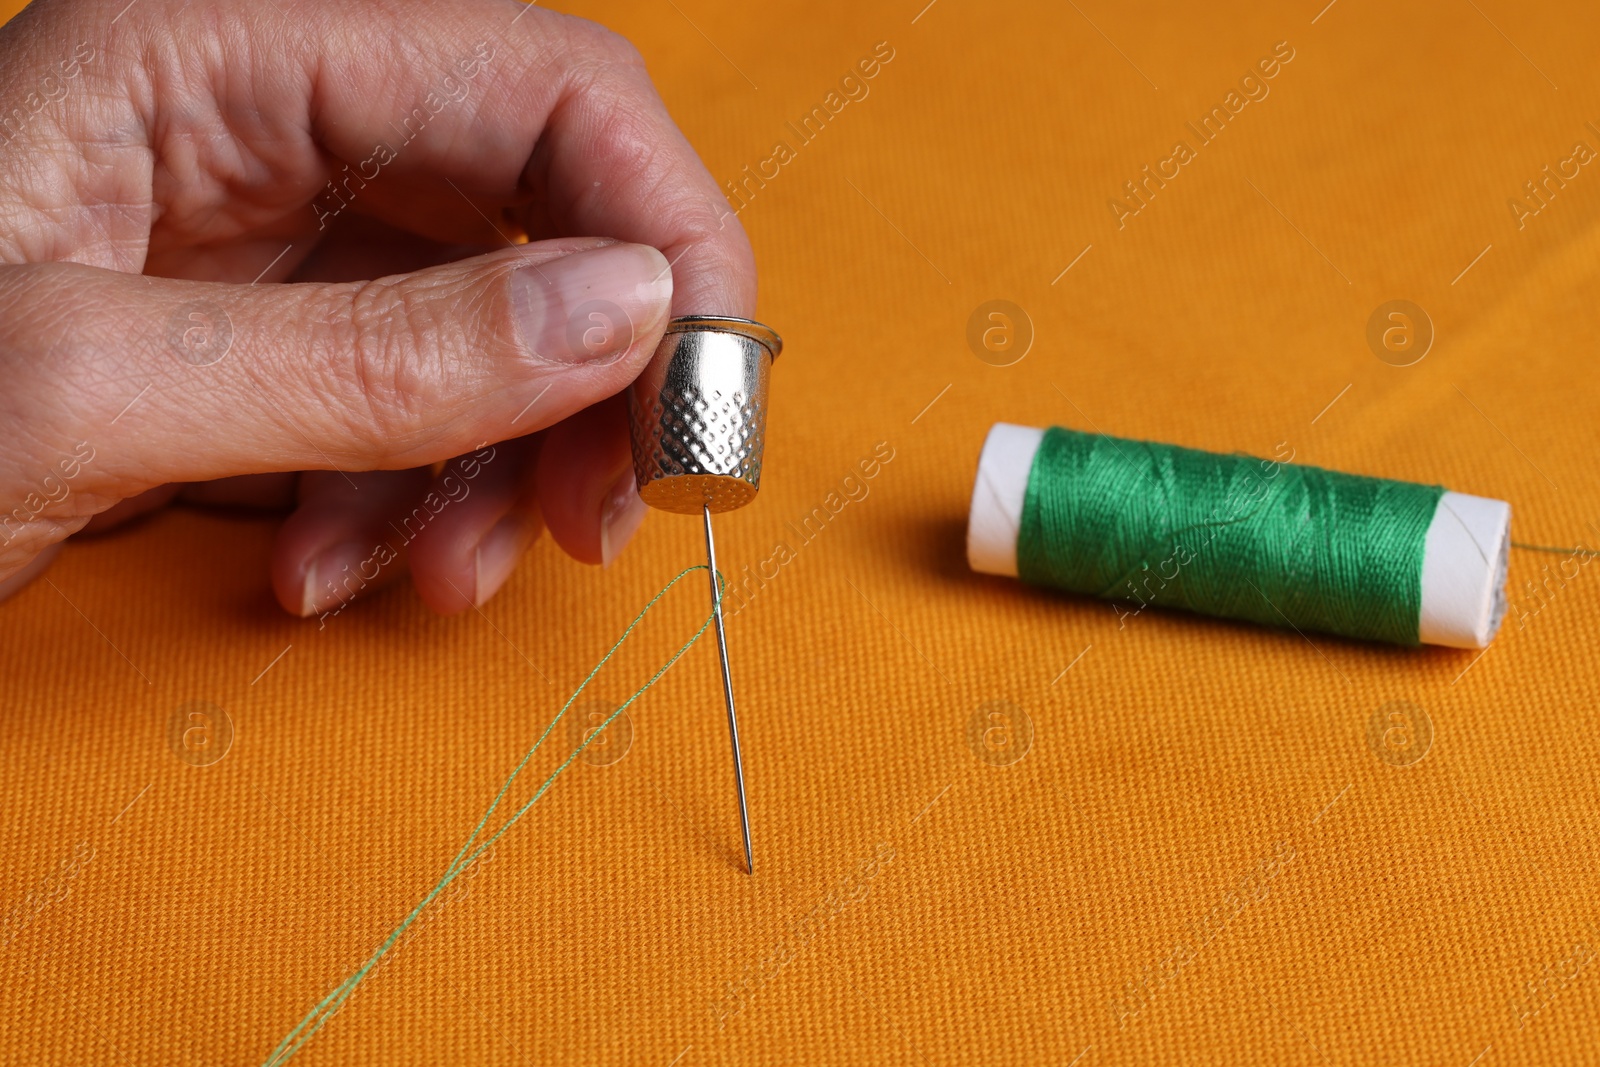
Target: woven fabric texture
{"x":992,"y":824}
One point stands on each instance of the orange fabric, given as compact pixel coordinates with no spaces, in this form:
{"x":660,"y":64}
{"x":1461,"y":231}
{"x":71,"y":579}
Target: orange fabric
{"x":1200,"y":859}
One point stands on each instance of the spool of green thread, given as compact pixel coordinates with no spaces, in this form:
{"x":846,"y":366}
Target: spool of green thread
{"x":1144,"y":524}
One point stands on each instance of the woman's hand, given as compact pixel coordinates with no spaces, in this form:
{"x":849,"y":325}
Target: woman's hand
{"x":166,"y":167}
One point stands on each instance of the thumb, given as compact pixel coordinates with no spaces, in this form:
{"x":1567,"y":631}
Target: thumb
{"x":185,"y":381}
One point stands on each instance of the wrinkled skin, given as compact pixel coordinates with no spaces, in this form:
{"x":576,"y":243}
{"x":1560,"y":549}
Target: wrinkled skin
{"x":450,"y":185}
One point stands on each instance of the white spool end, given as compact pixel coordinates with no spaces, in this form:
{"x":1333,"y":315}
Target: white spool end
{"x":997,"y":495}
{"x":1464,"y":571}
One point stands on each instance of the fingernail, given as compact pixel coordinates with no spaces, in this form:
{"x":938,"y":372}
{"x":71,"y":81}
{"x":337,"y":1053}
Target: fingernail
{"x":333,"y":577}
{"x":591,"y":305}
{"x":620,"y":516}
{"x":498,"y":553}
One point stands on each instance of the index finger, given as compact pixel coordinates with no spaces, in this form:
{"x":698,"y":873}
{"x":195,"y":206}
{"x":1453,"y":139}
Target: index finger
{"x":612,"y":161}
{"x":560,"y":118}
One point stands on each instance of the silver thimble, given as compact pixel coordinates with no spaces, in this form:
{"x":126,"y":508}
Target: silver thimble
{"x":698,"y":414}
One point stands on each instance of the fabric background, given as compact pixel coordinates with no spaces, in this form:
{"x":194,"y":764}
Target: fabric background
{"x":1201,"y":859}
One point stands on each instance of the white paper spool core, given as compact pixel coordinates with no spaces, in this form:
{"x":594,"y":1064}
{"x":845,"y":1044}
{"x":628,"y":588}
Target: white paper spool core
{"x":1463,"y":561}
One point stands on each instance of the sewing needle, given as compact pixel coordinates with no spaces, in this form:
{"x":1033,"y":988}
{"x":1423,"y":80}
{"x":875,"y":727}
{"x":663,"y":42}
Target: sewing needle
{"x":727,"y":691}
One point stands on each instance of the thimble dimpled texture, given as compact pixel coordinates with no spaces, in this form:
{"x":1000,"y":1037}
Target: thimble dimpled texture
{"x":698,"y":418}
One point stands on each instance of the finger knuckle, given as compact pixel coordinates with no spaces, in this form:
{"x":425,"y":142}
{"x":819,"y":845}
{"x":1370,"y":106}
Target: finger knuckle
{"x":610,"y":46}
{"x":386,"y":375}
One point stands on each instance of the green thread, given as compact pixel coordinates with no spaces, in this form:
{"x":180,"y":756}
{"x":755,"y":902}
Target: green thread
{"x":1233,"y":536}
{"x":330,"y":1004}
{"x":1556,"y":550}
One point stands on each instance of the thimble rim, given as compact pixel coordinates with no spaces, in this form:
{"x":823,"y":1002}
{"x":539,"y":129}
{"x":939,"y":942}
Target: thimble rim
{"x":759,"y":332}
